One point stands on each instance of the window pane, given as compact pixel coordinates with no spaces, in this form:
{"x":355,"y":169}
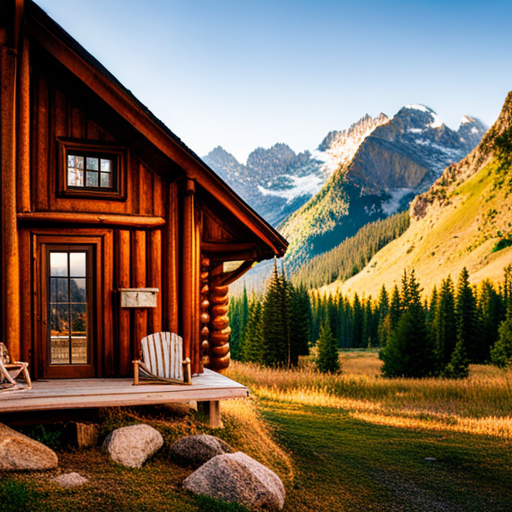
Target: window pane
{"x":59,"y":319}
{"x":78,"y":320}
{"x":58,"y":264}
{"x":79,"y":178}
{"x":106,"y":180}
{"x":77,"y":264}
{"x":79,"y":162}
{"x":59,"y":350}
{"x":78,"y":350}
{"x":72,"y":177}
{"x":106,"y":165}
{"x":92,"y":179}
{"x":78,"y":290}
{"x":71,"y":161}
{"x":59,"y":289}
{"x":92,"y":164}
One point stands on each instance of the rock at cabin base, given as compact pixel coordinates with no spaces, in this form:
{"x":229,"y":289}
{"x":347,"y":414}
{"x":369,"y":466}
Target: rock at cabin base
{"x":132,"y":446}
{"x":237,"y":478}
{"x":70,"y":480}
{"x":20,"y":453}
{"x":197,"y":450}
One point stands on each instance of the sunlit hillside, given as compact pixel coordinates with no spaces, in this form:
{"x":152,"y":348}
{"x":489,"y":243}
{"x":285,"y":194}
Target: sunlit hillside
{"x":464,"y":220}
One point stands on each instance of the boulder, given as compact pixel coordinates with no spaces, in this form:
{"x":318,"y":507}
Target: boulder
{"x":132,"y":446}
{"x":70,"y":480}
{"x":196,"y":450}
{"x":20,"y":453}
{"x":237,"y":478}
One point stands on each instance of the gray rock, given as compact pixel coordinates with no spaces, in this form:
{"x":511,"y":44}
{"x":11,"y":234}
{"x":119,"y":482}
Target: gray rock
{"x":20,"y":453}
{"x":196,"y":450}
{"x":70,"y":480}
{"x":237,"y":478}
{"x":132,"y":446}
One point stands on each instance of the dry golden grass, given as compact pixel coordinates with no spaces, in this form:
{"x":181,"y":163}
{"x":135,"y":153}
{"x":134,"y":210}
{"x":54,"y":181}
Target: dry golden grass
{"x":481,"y":404}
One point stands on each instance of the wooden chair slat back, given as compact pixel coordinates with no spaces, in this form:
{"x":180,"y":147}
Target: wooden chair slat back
{"x":162,"y":353}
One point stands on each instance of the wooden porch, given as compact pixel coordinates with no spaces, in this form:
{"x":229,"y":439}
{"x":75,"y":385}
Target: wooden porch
{"x":64,"y":394}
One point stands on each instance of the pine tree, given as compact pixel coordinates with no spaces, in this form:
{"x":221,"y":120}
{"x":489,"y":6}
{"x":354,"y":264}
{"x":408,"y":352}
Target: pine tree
{"x":300,"y":322}
{"x":458,"y":367}
{"x":466,"y":313}
{"x":275,"y":348}
{"x":490,"y":315}
{"x":357,"y":322}
{"x":328,"y":355}
{"x":444,"y":325}
{"x":253,"y":339}
{"x":395,"y":308}
{"x":235,"y":337}
{"x":409,"y":353}
{"x":501,"y":353}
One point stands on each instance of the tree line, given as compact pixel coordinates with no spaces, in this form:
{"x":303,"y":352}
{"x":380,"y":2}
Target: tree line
{"x":440,"y":335}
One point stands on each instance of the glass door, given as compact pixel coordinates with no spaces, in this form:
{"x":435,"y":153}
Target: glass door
{"x":69,"y":350}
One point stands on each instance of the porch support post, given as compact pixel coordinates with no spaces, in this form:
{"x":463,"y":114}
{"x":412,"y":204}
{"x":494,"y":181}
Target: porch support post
{"x":171,"y":297}
{"x":190,"y":280}
{"x":8,"y":223}
{"x":210,"y":412}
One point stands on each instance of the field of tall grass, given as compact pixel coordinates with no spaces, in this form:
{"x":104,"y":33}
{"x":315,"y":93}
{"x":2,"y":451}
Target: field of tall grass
{"x":481,"y":404}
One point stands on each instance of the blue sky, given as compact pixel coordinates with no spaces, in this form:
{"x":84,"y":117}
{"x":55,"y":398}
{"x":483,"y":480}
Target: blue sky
{"x":245,"y":73}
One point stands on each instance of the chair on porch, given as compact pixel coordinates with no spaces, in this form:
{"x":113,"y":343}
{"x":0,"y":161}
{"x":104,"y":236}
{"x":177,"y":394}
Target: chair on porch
{"x":10,"y":370}
{"x":162,"y":361}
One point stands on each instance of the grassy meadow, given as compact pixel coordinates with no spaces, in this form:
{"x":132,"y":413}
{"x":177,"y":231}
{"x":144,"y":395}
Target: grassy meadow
{"x":347,"y":442}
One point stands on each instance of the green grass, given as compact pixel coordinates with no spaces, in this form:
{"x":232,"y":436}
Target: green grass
{"x":346,"y":464}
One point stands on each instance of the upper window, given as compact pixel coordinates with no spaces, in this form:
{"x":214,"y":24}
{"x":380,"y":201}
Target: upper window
{"x":91,"y":170}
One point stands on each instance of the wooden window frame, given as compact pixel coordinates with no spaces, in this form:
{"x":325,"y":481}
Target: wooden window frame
{"x":96,"y":149}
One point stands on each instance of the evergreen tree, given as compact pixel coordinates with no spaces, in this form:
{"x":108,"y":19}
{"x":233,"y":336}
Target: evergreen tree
{"x":458,"y":367}
{"x":466,"y":313}
{"x":300,"y":322}
{"x":275,"y":348}
{"x":328,"y":355}
{"x":235,"y":338}
{"x":444,"y":325}
{"x":395,"y":308}
{"x":244,"y":313}
{"x":490,"y":315}
{"x":408,"y":352}
{"x":357,"y":322}
{"x":501,"y":353}
{"x":253,"y":340}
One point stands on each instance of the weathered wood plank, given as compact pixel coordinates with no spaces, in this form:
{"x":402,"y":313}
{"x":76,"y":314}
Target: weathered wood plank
{"x":92,"y":218}
{"x":83,"y":393}
{"x":123,"y":315}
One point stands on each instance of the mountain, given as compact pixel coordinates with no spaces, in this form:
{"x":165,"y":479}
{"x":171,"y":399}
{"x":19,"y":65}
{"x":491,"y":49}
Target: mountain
{"x":397,"y":160}
{"x":464,"y":219}
{"x":277,"y":181}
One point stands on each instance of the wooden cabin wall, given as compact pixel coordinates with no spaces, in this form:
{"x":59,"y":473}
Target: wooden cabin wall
{"x":137,"y":252}
{"x":57,"y":116}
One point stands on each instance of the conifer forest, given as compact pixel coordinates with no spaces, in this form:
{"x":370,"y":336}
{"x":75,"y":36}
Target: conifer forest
{"x":416,"y":336}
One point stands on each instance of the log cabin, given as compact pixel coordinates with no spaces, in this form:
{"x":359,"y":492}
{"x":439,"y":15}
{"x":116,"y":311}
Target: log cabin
{"x":111,"y":227}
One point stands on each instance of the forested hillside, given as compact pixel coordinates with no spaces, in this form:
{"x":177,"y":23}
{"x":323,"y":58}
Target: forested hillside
{"x":352,"y":255}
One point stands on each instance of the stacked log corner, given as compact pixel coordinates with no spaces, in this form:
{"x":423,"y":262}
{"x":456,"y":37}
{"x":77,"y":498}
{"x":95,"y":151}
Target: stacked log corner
{"x":219,"y":321}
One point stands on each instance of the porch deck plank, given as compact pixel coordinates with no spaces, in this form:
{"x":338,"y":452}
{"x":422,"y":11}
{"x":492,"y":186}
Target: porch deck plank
{"x":83,"y":393}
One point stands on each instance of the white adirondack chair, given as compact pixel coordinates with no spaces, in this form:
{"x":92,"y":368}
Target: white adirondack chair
{"x":10,"y":370}
{"x":162,"y":361}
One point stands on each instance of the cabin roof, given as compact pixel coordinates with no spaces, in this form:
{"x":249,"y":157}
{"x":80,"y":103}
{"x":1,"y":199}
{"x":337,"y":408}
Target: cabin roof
{"x":74,"y":56}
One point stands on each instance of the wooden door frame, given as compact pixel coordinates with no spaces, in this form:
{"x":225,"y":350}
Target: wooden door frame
{"x":102,"y":307}
{"x":70,"y":371}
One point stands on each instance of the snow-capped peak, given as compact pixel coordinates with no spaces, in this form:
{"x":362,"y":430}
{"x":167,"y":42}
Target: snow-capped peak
{"x":421,"y":108}
{"x":466,"y":120}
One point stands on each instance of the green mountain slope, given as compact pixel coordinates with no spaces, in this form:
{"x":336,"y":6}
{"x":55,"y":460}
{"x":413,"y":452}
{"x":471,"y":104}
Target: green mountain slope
{"x":465,"y":219}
